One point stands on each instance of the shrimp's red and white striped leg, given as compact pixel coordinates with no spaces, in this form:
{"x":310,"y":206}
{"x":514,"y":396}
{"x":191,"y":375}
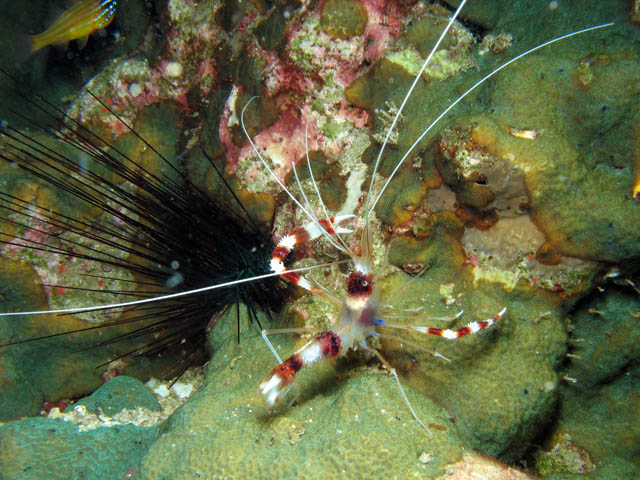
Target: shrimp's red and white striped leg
{"x":473,"y":327}
{"x":325,"y":345}
{"x":265,"y":334}
{"x":300,"y":235}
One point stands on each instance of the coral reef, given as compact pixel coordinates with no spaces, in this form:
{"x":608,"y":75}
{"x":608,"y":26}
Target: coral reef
{"x":64,"y":367}
{"x":506,"y":380}
{"x":118,"y":394}
{"x":597,"y":430}
{"x":348,"y":422}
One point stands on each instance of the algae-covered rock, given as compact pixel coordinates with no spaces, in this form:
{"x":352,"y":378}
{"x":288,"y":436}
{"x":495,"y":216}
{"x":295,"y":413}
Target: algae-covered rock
{"x":547,"y":146}
{"x":602,"y":425}
{"x":343,"y":18}
{"x":39,"y":448}
{"x":157,"y":126}
{"x":597,"y":432}
{"x":327,"y":176}
{"x":54,"y":368}
{"x":578,"y":197}
{"x":501,"y":384}
{"x":349,"y":425}
{"x":117,"y":394}
{"x":101,"y":436}
{"x":46,"y":369}
{"x":606,"y":335}
{"x":489,"y":178}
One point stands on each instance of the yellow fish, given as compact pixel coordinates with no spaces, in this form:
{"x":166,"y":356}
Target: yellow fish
{"x":78,"y":22}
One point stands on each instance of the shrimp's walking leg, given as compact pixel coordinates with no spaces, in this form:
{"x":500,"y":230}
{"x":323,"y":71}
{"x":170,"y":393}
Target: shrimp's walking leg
{"x":473,"y":327}
{"x":393,"y":372}
{"x":265,"y":334}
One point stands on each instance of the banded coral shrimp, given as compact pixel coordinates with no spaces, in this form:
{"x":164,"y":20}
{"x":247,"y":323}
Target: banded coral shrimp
{"x":359,"y":313}
{"x":377,"y":451}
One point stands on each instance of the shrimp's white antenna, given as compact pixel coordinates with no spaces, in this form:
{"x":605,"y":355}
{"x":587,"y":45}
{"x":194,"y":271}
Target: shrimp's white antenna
{"x":340,"y":245}
{"x":404,"y":102}
{"x":471,"y":89}
{"x":306,"y":211}
{"x":307,"y":202}
{"x":170,"y":296}
{"x":345,"y":248}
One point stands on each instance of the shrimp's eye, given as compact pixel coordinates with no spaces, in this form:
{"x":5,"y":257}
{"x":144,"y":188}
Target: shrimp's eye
{"x":360,"y":284}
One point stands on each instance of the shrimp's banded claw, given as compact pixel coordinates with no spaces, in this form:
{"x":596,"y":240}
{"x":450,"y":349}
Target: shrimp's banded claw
{"x":304,"y":234}
{"x":280,"y":381}
{"x":338,"y":220}
{"x":325,"y":345}
{"x":300,"y":235}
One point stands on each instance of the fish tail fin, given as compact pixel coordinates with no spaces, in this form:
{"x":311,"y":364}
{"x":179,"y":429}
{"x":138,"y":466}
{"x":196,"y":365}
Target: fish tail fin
{"x":82,"y":42}
{"x":25,"y":46}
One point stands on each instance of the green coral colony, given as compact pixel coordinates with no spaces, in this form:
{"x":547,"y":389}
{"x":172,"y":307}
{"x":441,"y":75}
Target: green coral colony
{"x":520,"y":197}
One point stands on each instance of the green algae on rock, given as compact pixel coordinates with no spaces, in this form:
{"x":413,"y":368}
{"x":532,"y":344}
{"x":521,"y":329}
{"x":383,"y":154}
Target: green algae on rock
{"x":606,"y":326}
{"x":403,"y":201}
{"x":53,"y":369}
{"x":503,"y":177}
{"x":603,"y":425}
{"x":487,"y":176}
{"x":329,"y":180}
{"x":506,"y":383}
{"x":82,"y":444}
{"x":158,"y":125}
{"x":577,"y":200}
{"x":343,"y":18}
{"x":22,"y":394}
{"x":118,"y":394}
{"x":37,"y":448}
